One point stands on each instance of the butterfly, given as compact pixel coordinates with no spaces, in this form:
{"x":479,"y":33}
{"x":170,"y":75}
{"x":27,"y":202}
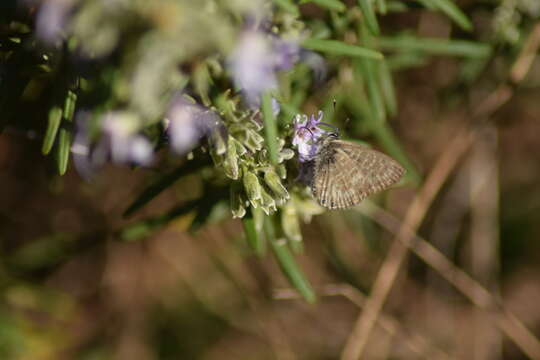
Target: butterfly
{"x":344,"y":173}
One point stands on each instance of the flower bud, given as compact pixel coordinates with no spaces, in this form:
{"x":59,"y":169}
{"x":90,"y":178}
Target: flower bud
{"x":285,"y":154}
{"x":290,"y":223}
{"x":255,"y":135}
{"x":274,"y":183}
{"x":281,"y":171}
{"x":252,"y":187}
{"x":240,"y":149}
{"x":231,"y":160}
{"x":237,"y":200}
{"x":268,"y":204}
{"x":252,"y":144}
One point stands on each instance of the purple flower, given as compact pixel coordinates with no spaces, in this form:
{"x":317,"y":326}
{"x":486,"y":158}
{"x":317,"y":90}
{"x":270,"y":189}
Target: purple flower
{"x":259,"y":55}
{"x":119,"y":141}
{"x":307,"y":135}
{"x":286,"y":53}
{"x":126,"y":145}
{"x":252,"y":65}
{"x":187,"y":123}
{"x":51,"y":20}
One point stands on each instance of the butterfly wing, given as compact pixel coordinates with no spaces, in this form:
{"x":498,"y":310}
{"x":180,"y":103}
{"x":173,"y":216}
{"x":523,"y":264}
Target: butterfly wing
{"x":346,"y":173}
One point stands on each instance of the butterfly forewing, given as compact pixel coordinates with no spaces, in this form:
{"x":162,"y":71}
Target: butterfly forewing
{"x":346,"y":173}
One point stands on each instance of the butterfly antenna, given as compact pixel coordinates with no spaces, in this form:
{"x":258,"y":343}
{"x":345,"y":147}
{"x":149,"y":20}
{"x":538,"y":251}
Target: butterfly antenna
{"x":336,"y":130}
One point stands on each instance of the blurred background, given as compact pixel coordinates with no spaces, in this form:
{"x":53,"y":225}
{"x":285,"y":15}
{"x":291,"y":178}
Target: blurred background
{"x":149,"y":202}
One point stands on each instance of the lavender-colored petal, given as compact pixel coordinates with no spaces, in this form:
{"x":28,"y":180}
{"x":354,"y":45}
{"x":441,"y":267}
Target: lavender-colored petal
{"x":88,"y":157}
{"x":307,"y":135}
{"x":252,"y":66}
{"x":188,"y":123}
{"x":126,"y":145}
{"x":51,"y":20}
{"x":286,"y":54}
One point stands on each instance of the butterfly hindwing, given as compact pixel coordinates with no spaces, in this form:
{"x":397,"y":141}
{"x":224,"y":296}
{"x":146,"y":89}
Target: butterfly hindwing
{"x":346,"y":173}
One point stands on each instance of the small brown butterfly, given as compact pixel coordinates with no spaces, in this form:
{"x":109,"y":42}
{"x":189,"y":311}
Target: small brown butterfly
{"x":345,"y":173}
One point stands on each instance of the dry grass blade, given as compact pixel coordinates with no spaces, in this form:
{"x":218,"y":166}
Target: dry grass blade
{"x":390,"y":268}
{"x":415,"y":342}
{"x":469,"y":287}
{"x":484,"y":235}
{"x":359,"y":336}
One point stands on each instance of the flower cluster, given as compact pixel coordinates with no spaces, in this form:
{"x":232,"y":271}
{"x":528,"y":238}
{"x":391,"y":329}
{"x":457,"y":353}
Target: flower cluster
{"x":256,"y":182}
{"x":166,"y":64}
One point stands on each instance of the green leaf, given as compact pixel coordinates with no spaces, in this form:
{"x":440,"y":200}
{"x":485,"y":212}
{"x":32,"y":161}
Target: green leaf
{"x":451,"y":10}
{"x":55,"y":118}
{"x":288,"y":6}
{"x":144,"y":228}
{"x":64,"y":147}
{"x":163,"y":183}
{"x":289,"y":111}
{"x":287,"y":262}
{"x":69,"y":105}
{"x":369,"y":16}
{"x":201,"y":208}
{"x":335,"y":5}
{"x":384,"y":136}
{"x":335,"y":47}
{"x":381,"y":6}
{"x":65,"y":135}
{"x":270,"y":128}
{"x":405,"y":60}
{"x":369,"y":70}
{"x":387,"y":88}
{"x":396,"y":6}
{"x":254,"y":235}
{"x":435,"y":46}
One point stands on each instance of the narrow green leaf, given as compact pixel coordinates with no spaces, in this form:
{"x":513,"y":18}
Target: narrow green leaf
{"x":64,"y":146}
{"x":366,"y":6}
{"x":270,"y":128}
{"x":385,"y":137}
{"x":55,"y":118}
{"x":287,"y":262}
{"x":381,"y":6}
{"x":369,"y":70}
{"x":387,"y":88}
{"x":452,"y":11}
{"x":435,"y":46}
{"x":160,"y":185}
{"x":405,"y":60}
{"x":65,"y":136}
{"x":144,"y":228}
{"x":202,"y":80}
{"x":396,"y":6}
{"x":288,"y":6}
{"x":289,"y":111}
{"x":340,"y":48}
{"x":69,"y":105}
{"x":201,"y":207}
{"x":254,"y":236}
{"x":335,"y":5}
